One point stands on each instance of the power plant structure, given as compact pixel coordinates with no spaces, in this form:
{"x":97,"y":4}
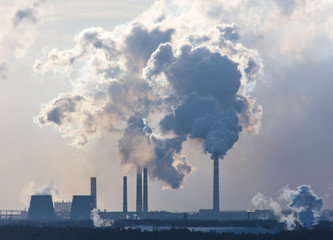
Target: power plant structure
{"x":125,"y":194}
{"x":216,"y":185}
{"x":41,"y":208}
{"x":80,"y":209}
{"x":138,"y":189}
{"x":82,"y":205}
{"x":93,"y":190}
{"x":145,"y":190}
{"x":141,"y":206}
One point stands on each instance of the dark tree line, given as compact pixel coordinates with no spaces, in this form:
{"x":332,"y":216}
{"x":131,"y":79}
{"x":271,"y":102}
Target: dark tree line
{"x":76,"y":233}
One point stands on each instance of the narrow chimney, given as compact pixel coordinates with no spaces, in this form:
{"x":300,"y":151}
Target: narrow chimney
{"x":93,"y":190}
{"x":145,"y":190}
{"x":125,"y":194}
{"x":216,"y":192}
{"x":139,"y":189}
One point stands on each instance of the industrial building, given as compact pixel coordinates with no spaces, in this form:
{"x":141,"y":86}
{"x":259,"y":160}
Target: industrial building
{"x":42,"y":208}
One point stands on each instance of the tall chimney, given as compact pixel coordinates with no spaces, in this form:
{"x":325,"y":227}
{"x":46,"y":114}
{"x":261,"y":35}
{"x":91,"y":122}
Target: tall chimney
{"x":145,"y":190}
{"x":139,"y":189}
{"x":125,"y":194}
{"x":216,"y":192}
{"x":93,"y":190}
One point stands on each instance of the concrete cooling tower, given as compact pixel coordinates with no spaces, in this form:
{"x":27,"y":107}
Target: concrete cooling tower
{"x":82,"y":205}
{"x":41,"y":208}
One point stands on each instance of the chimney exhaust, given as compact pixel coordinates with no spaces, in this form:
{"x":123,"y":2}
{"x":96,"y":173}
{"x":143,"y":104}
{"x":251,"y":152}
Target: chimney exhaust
{"x":216,"y":192}
{"x":93,"y":190}
{"x":125,"y":194}
{"x":139,"y":189}
{"x":145,"y":190}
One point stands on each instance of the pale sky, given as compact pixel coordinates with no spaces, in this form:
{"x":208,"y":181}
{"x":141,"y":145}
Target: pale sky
{"x":292,"y":40}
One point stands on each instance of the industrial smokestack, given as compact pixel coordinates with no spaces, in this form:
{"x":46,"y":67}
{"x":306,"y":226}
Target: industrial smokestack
{"x":93,"y":190}
{"x":145,"y":190}
{"x":125,"y":194}
{"x":139,"y":189}
{"x":216,"y":192}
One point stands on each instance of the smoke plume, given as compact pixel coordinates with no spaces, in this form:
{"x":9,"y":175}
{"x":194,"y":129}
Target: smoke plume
{"x":300,"y":205}
{"x":156,"y":80}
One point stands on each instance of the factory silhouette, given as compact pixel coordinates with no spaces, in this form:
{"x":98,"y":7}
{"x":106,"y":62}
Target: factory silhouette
{"x":43,"y":209}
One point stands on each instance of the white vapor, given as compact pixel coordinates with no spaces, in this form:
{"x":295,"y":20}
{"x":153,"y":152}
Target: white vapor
{"x":300,"y":205}
{"x":31,"y":189}
{"x":98,"y":221}
{"x":18,"y":32}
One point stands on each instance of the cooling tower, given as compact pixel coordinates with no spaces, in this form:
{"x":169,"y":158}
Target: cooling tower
{"x":216,"y":192}
{"x":93,"y":191}
{"x":125,"y":194}
{"x":41,"y":208}
{"x":81,"y":207}
{"x":145,"y":190}
{"x":139,"y":189}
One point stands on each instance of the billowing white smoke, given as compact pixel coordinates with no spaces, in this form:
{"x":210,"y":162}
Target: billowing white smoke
{"x":302,"y":206}
{"x":98,"y":221}
{"x":193,"y":78}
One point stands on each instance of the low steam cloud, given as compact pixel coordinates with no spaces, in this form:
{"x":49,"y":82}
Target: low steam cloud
{"x":194,"y":80}
{"x":293,"y":206}
{"x":98,"y":221}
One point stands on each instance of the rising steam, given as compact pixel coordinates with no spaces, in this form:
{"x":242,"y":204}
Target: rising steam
{"x":98,"y":221}
{"x":31,"y":189}
{"x":293,"y":206}
{"x":193,"y":78}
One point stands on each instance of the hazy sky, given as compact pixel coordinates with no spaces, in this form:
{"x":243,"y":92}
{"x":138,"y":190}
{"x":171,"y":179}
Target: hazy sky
{"x":291,"y":41}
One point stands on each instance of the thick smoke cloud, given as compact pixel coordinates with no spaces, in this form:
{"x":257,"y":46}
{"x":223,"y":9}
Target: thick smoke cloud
{"x":300,"y":206}
{"x":200,"y":117}
{"x":156,"y":81}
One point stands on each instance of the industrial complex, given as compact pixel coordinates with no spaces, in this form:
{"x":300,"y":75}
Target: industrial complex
{"x":43,"y":209}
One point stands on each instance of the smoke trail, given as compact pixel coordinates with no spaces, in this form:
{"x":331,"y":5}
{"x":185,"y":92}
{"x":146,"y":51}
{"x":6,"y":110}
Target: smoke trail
{"x":193,"y":79}
{"x":303,"y":206}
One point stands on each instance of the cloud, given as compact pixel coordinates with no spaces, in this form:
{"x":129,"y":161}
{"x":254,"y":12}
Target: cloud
{"x":3,"y":70}
{"x":28,"y":14}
